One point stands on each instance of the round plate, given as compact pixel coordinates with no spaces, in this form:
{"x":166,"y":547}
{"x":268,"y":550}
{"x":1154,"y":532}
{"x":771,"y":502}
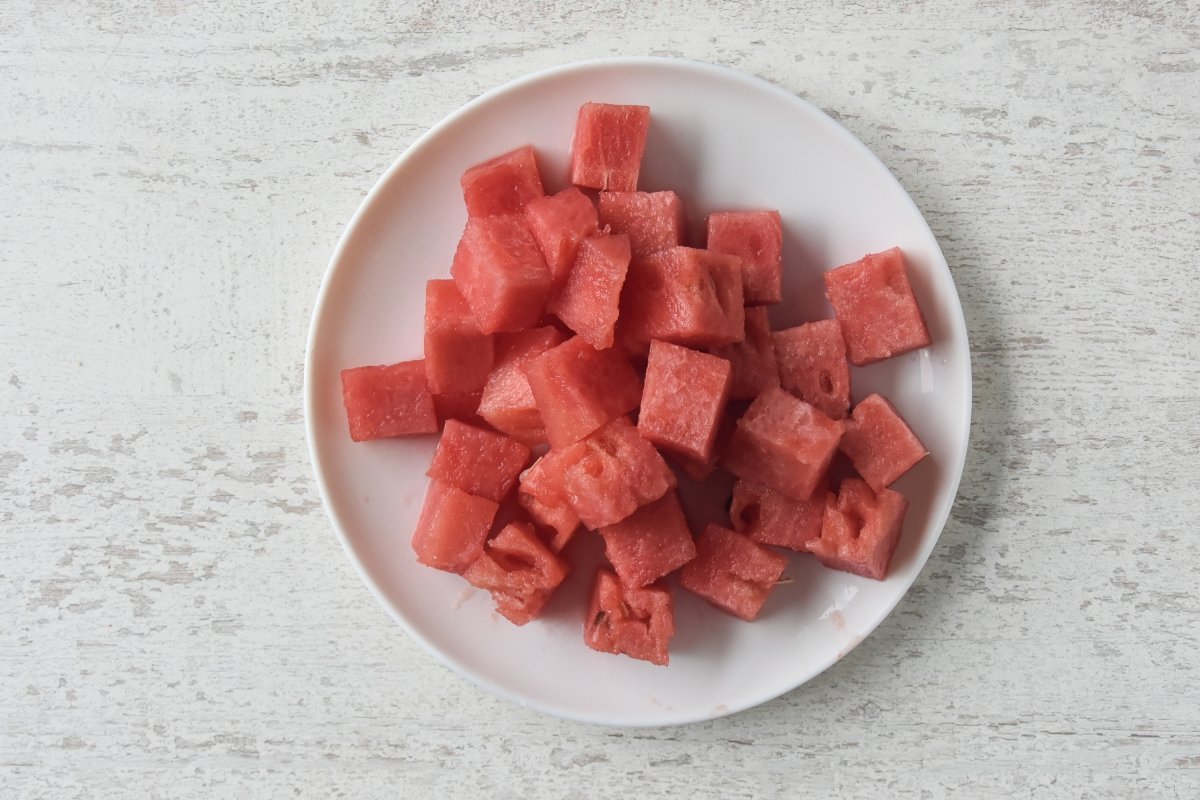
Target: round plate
{"x":722,"y":140}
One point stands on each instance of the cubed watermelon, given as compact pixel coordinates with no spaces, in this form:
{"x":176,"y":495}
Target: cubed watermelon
{"x":452,"y":527}
{"x":462,"y":406}
{"x":765,"y":516}
{"x":502,"y":185}
{"x":753,"y":359}
{"x":880,"y":443}
{"x":650,"y":543}
{"x":458,"y":357}
{"x":812,"y":365}
{"x":590,"y":299}
{"x":507,"y":402}
{"x":542,"y":496}
{"x":877,"y":309}
{"x":519,"y":571}
{"x":783,"y":443}
{"x":653,"y":220}
{"x":479,"y":462}
{"x":622,"y":620}
{"x":756,"y":237}
{"x":731,"y":572}
{"x":500,"y":271}
{"x":860,"y":529}
{"x":607,"y":148}
{"x":559,"y":223}
{"x":384,"y":401}
{"x":683,"y":295}
{"x":684,"y":397}
{"x":579,"y":388}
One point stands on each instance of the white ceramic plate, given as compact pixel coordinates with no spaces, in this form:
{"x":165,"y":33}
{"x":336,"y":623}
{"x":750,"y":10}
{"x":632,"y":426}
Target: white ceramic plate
{"x":721,"y":139}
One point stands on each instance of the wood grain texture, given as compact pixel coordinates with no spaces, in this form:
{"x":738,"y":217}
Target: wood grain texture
{"x":179,"y":620}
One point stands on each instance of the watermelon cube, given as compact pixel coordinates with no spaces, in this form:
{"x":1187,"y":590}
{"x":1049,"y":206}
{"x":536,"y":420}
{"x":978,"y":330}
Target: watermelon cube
{"x":653,"y":220}
{"x":877,"y":309}
{"x":733,"y":573}
{"x":519,"y":571}
{"x":579,"y":388}
{"x":458,"y":357}
{"x":812,"y":365}
{"x":452,"y":527}
{"x":502,"y":185}
{"x":590,"y":299}
{"x":683,"y":295}
{"x":559,"y":223}
{"x":500,"y":271}
{"x":765,"y":516}
{"x":756,"y":237}
{"x":462,"y":406}
{"x":507,"y":401}
{"x":611,"y":474}
{"x":753,"y":359}
{"x":607,"y":148}
{"x":684,"y":397}
{"x":860,"y":529}
{"x":622,"y":620}
{"x":650,"y":543}
{"x":543,"y":497}
{"x":783,"y":443}
{"x":391,"y":400}
{"x":879,"y":442}
{"x":482,"y":463}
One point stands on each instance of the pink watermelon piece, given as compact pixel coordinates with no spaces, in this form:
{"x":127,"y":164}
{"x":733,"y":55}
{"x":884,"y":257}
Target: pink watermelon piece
{"x":653,"y":220}
{"x":880,"y":443}
{"x":622,"y":620}
{"x":753,"y":359}
{"x":462,"y":406}
{"x":860,"y":529}
{"x":590,"y":299}
{"x":479,"y":462}
{"x":876,"y":307}
{"x":783,"y":443}
{"x":501,"y":272}
{"x":519,"y":571}
{"x":765,"y":516}
{"x":683,"y":400}
{"x":458,"y":357}
{"x":502,"y":185}
{"x":507,"y":401}
{"x":812,"y":365}
{"x":388,"y":400}
{"x":559,"y":223}
{"x":543,"y":497}
{"x":607,"y":148}
{"x":701,"y":469}
{"x":579,"y":388}
{"x":452,"y":527}
{"x":756,"y":237}
{"x":650,"y":543}
{"x":733,"y":573}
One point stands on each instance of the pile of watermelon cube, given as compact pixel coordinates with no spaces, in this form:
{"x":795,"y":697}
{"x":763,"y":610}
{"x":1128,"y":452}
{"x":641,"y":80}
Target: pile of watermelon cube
{"x":583,"y":350}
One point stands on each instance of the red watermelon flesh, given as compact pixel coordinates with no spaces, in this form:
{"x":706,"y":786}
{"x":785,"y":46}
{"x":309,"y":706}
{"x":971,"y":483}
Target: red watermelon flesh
{"x":559,"y":223}
{"x":507,"y":401}
{"x":479,"y":462}
{"x":542,"y":496}
{"x":519,"y":571}
{"x":458,"y":357}
{"x":650,"y":543}
{"x":731,"y":572}
{"x":607,"y":148}
{"x":783,"y":443}
{"x":756,"y":237}
{"x":590,"y":299}
{"x":500,"y":271}
{"x":765,"y":516}
{"x":877,"y":309}
{"x":880,"y":443}
{"x":685,"y":296}
{"x":753,"y":359}
{"x":700,"y":469}
{"x":622,"y":620}
{"x":502,"y":185}
{"x":579,"y":388}
{"x":812,"y":365}
{"x":452,"y":527}
{"x":860,"y":529}
{"x":683,"y":400}
{"x":653,"y":220}
{"x":385,"y":401}
{"x":462,"y":406}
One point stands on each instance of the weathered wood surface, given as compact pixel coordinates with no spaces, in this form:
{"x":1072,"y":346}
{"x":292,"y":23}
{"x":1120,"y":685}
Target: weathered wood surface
{"x":178,"y":619}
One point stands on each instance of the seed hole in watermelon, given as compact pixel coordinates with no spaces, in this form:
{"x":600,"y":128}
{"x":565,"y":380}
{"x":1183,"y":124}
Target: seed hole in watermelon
{"x":826,"y":382}
{"x":895,"y":282}
{"x":856,"y":524}
{"x":749,"y":515}
{"x":513,"y":562}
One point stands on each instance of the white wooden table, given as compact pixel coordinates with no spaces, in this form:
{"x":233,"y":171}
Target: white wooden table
{"x":178,"y":619}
